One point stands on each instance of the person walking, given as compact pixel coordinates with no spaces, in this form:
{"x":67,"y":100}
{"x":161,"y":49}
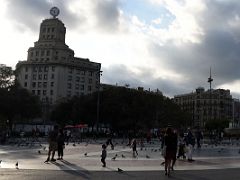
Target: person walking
{"x":175,"y":146}
{"x":104,"y":155}
{"x":134,"y":148}
{"x":52,"y":139}
{"x":61,"y":145}
{"x":190,"y":142}
{"x":170,"y":153}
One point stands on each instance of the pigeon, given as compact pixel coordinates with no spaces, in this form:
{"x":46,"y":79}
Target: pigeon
{"x":85,"y":154}
{"x":114,"y":158}
{"x":152,"y":150}
{"x":16,"y":165}
{"x":44,"y":148}
{"x":120,"y":170}
{"x":39,"y":152}
{"x":141,"y":149}
{"x":147,"y":156}
{"x":86,"y":144}
{"x":155,"y":150}
{"x":0,"y":161}
{"x":74,"y":144}
{"x":123,"y":156}
{"x":116,"y":155}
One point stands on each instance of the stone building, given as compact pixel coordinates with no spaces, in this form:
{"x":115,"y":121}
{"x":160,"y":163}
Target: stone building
{"x":51,"y":71}
{"x":206,"y":105}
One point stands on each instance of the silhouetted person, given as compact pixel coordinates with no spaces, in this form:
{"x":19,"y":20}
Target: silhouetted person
{"x":52,"y":139}
{"x":104,"y":155}
{"x":60,"y":141}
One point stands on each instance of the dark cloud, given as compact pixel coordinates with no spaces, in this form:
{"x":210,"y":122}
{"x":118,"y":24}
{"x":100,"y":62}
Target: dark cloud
{"x":219,"y":49}
{"x":27,"y":14}
{"x":107,"y":13}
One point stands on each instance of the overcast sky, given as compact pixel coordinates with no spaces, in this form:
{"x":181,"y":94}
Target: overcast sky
{"x":164,"y":44}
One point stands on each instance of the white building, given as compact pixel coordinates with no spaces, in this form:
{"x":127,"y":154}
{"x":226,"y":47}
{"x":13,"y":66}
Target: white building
{"x":51,"y":71}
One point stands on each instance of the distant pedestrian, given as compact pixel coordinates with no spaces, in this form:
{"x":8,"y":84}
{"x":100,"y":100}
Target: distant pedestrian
{"x":190,"y":142}
{"x":199,"y":137}
{"x":104,"y":155}
{"x":68,"y":136}
{"x":175,"y":147}
{"x":134,"y":147}
{"x":170,"y":150}
{"x":181,"y":146}
{"x":52,"y":139}
{"x":61,"y":145}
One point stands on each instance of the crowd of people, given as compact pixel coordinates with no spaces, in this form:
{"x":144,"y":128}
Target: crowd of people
{"x":174,"y":145}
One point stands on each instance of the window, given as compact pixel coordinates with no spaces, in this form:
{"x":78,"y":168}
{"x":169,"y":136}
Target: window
{"x":90,"y":73}
{"x":89,"y":88}
{"x":34,"y":84}
{"x":39,"y":84}
{"x":78,"y":71}
{"x":82,"y":72}
{"x":48,"y":52}
{"x":40,"y":76}
{"x":40,"y":69}
{"x":77,"y":79}
{"x":36,"y":53}
{"x":34,"y":76}
{"x":52,"y":76}
{"x":53,"y":68}
{"x":82,"y":87}
{"x":90,"y":80}
{"x":26,"y":76}
{"x":69,"y":86}
{"x":26,"y":69}
{"x":77,"y":86}
{"x":70,"y":70}
{"x":45,"y":84}
{"x":42,"y":53}
{"x":44,"y":29}
{"x":39,"y":92}
{"x":48,"y":29}
{"x":69,"y":78}
{"x":52,"y":84}
{"x":82,"y":79}
{"x":45,"y":76}
{"x":44,"y":92}
{"x":34,"y":69}
{"x":45,"y":69}
{"x":31,"y":54}
{"x":25,"y":84}
{"x":53,"y":29}
{"x":51,"y":92}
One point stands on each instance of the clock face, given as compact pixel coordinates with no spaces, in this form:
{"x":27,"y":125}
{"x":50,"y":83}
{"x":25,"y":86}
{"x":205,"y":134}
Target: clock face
{"x":54,"y":11}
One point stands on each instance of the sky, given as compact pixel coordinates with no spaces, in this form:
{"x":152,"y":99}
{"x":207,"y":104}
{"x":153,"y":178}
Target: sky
{"x":168,"y":45}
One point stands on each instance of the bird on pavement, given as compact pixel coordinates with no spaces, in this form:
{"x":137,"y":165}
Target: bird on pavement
{"x":120,"y":170}
{"x":74,"y":144}
{"x":114,"y":158}
{"x":44,"y":148}
{"x":16,"y":165}
{"x":85,"y":154}
{"x":147,"y":156}
{"x":39,"y":152}
{"x":123,"y":156}
{"x":0,"y":161}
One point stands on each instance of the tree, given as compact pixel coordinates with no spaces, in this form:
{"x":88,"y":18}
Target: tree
{"x":6,"y":76}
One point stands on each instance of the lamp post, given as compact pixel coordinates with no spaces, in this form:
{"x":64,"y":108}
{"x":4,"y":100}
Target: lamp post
{"x":98,"y":98}
{"x":7,"y":128}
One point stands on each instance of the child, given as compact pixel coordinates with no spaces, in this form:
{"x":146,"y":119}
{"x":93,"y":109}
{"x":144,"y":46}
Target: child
{"x":104,"y":155}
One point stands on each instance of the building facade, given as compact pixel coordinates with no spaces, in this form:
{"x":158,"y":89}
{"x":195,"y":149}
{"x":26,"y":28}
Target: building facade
{"x":51,"y":71}
{"x":206,"y":105}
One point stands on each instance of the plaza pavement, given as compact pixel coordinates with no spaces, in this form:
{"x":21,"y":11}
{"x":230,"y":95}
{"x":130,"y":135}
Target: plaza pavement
{"x":209,"y":158}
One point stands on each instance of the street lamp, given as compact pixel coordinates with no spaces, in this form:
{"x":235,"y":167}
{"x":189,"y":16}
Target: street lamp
{"x":98,"y":98}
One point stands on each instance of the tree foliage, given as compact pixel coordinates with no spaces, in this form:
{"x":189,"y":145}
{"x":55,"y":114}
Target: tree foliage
{"x":123,"y":109}
{"x":16,"y":103}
